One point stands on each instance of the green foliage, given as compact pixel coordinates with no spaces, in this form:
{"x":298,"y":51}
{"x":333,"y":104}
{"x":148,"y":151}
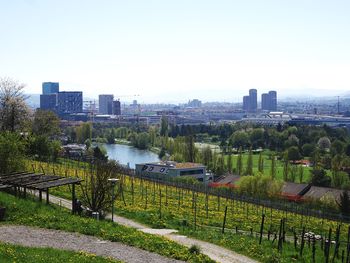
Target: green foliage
{"x":239,"y":139}
{"x":11,"y":152}
{"x":293,"y":153}
{"x":42,"y":148}
{"x":83,"y":132}
{"x":307,"y":149}
{"x":239,"y":166}
{"x":45,"y":123}
{"x":249,"y":169}
{"x":260,"y":186}
{"x":320,"y":178}
{"x":15,"y":253}
{"x":164,"y":126}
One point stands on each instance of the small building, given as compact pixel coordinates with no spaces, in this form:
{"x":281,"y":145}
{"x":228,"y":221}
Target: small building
{"x":229,"y":180}
{"x":294,"y":191}
{"x":173,"y":169}
{"x":319,"y":193}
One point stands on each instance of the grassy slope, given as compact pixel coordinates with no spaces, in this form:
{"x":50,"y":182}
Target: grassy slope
{"x":14,"y":253}
{"x":26,"y":212}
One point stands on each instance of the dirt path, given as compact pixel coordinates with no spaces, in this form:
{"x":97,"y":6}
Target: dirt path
{"x":215,"y":252}
{"x":39,"y":237}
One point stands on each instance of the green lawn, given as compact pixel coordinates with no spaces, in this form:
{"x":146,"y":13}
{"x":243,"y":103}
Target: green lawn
{"x":14,"y":253}
{"x":32,"y":213}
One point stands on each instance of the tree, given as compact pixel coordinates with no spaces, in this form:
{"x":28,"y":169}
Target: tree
{"x":239,"y":165}
{"x":324,"y":144}
{"x":249,"y":169}
{"x":111,"y":136}
{"x":273,"y":167}
{"x":261,"y":163}
{"x":344,"y":203}
{"x":99,"y":154}
{"x":190,"y":149}
{"x":320,"y":178}
{"x":45,"y":123}
{"x":207,"y":156}
{"x":229,"y":163}
{"x":293,"y":154}
{"x":11,"y":152}
{"x":307,"y":149}
{"x":337,"y":147}
{"x":14,"y":111}
{"x":164,"y":126}
{"x":96,"y":189}
{"x":239,"y":139}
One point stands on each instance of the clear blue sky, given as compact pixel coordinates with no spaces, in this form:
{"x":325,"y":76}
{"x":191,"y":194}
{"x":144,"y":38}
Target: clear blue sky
{"x":177,"y":50}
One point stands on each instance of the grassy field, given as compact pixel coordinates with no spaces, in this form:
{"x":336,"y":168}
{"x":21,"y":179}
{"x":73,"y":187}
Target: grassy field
{"x":14,"y":253}
{"x":32,"y":213}
{"x":190,"y":213}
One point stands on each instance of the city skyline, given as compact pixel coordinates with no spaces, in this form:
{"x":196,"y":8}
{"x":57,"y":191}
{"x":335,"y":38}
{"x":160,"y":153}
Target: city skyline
{"x":163,"y":51}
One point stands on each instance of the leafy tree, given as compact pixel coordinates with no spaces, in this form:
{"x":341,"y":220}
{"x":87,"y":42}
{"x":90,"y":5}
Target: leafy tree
{"x":164,"y":126}
{"x":229,"y":163}
{"x":273,"y":167}
{"x":99,"y":155}
{"x":190,"y":149}
{"x":239,"y":166}
{"x":307,"y":149}
{"x":207,"y":156}
{"x":293,"y":154}
{"x":14,"y":111}
{"x":239,"y":139}
{"x":261,"y":163}
{"x":301,"y":173}
{"x":324,"y":144}
{"x":161,"y":153}
{"x":111,"y":136}
{"x":337,"y":147}
{"x":320,"y":178}
{"x":249,"y":169}
{"x":40,"y":147}
{"x":11,"y":152}
{"x":45,"y":123}
{"x":257,"y":138}
{"x":260,"y":186}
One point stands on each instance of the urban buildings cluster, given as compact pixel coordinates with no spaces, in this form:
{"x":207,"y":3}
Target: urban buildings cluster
{"x":61,"y":102}
{"x":268,"y":101}
{"x":107,"y":105}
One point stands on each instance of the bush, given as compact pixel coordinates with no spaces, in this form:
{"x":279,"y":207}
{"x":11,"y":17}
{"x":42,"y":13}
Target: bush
{"x":11,"y":152}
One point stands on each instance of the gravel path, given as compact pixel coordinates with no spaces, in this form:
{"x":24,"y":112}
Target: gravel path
{"x":215,"y":252}
{"x":38,"y":237}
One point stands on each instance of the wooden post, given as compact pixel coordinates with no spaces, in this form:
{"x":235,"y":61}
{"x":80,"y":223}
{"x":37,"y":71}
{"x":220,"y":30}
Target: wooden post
{"x":328,"y":247}
{"x":73,"y":198}
{"x":262,"y":228}
{"x":47,"y":196}
{"x":160,"y":203}
{"x":223,"y":224}
{"x":40,"y":195}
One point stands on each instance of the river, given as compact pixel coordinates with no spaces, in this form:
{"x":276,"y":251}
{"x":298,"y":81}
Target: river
{"x":125,"y":154}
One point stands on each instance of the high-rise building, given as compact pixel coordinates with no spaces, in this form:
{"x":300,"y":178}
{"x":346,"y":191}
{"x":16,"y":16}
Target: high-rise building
{"x":116,"y":109}
{"x":195,"y":103}
{"x":265,"y":101}
{"x":272,"y":100}
{"x":253,"y":100}
{"x":70,"y":102}
{"x":50,"y":87}
{"x":48,"y":101}
{"x":245,"y":103}
{"x":105,"y":103}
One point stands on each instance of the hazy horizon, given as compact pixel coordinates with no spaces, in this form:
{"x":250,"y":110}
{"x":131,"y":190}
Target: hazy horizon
{"x":175,"y":51}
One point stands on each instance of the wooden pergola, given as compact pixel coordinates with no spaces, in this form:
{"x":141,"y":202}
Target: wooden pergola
{"x":37,"y":181}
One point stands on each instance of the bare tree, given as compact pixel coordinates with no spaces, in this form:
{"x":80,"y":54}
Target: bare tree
{"x":14,"y":111}
{"x":96,"y":188}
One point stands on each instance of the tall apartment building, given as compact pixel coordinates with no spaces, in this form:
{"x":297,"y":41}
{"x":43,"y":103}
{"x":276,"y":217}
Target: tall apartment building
{"x":116,"y":107}
{"x":250,"y":102}
{"x":105,"y":103}
{"x":269,"y":101}
{"x":70,"y":102}
{"x":50,"y":87}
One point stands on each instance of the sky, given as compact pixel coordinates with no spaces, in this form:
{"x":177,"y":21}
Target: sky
{"x":173,"y":51}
